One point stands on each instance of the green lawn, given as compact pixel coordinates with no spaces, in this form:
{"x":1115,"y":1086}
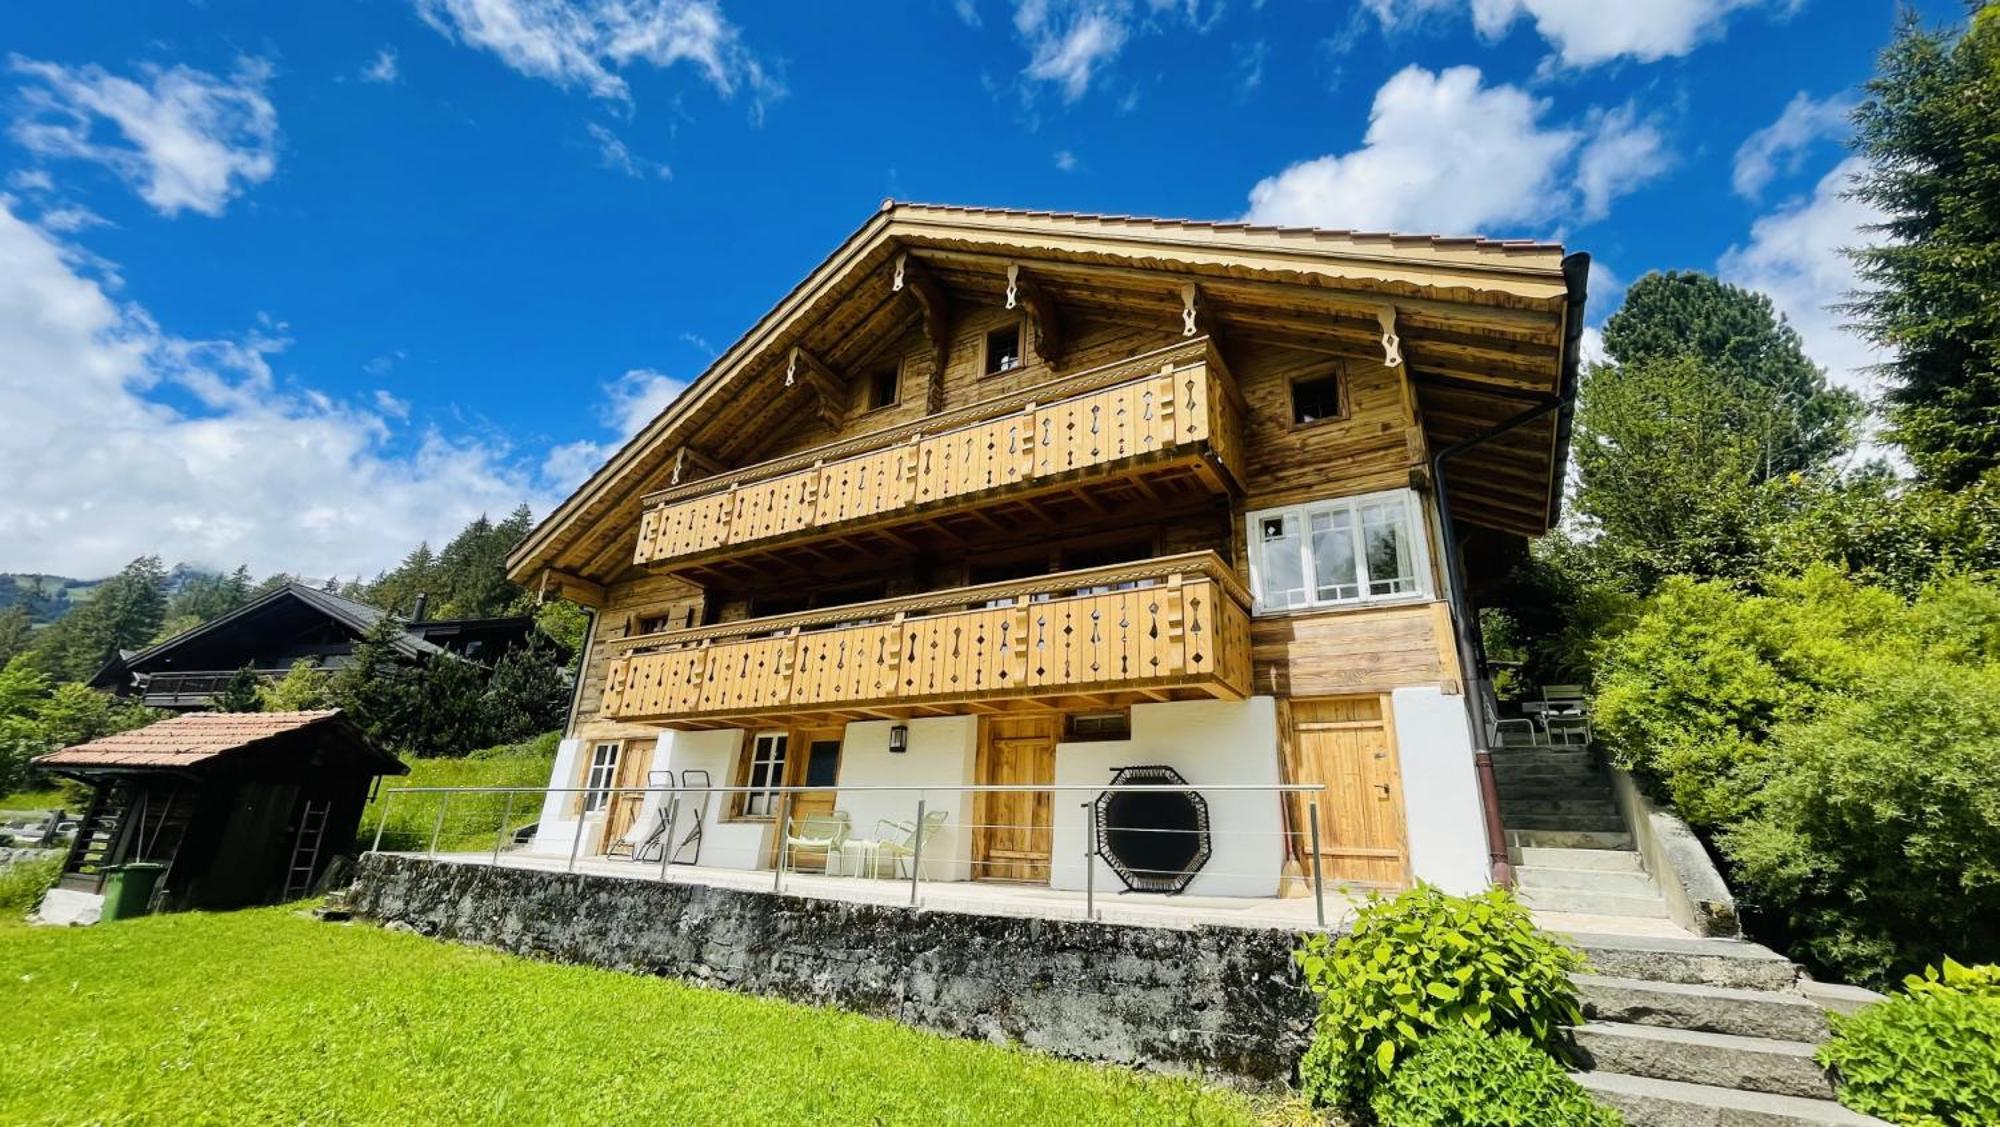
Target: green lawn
{"x":266,"y":1016}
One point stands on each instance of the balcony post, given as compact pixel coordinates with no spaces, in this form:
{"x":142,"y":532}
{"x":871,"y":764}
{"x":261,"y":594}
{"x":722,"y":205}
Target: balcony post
{"x":778,"y":870}
{"x":506,"y":816}
{"x":917,"y":853}
{"x":1319,"y":889}
{"x":437,"y":824}
{"x":381,"y":821}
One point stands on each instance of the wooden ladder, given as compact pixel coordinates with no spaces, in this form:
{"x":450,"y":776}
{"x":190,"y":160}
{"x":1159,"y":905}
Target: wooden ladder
{"x":305,"y":851}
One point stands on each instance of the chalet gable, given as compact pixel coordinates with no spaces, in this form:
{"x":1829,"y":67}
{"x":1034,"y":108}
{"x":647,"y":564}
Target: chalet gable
{"x":1482,"y":326}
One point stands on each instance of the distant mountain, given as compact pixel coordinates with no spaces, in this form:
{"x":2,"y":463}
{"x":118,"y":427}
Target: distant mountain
{"x":47,"y":597}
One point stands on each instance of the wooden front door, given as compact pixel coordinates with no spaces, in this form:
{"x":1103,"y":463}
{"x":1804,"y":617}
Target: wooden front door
{"x":815,"y":762}
{"x":1346,"y":744}
{"x":1010,"y":840}
{"x":635,"y":759}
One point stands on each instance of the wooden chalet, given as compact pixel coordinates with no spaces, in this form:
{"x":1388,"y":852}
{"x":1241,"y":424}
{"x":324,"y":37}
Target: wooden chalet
{"x":287,"y":624}
{"x":1014,"y":497}
{"x":241,"y":808}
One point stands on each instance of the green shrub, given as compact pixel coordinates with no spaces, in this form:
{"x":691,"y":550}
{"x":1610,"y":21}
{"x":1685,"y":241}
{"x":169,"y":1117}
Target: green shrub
{"x":22,"y":884}
{"x":1465,"y":1077}
{"x":1422,"y":962}
{"x":1929,"y":1056}
{"x":1837,"y":743}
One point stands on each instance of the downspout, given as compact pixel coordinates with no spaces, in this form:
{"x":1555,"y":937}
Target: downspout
{"x":1464,"y":616}
{"x":582,"y":666}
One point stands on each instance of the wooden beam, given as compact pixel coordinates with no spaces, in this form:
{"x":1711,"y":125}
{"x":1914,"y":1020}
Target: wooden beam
{"x":690,"y":463}
{"x":831,"y":391}
{"x":575,"y":588}
{"x":912,"y":275}
{"x":1023,"y":290}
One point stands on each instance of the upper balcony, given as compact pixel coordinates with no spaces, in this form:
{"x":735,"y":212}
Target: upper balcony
{"x":1152,"y":424}
{"x":1169,"y":628}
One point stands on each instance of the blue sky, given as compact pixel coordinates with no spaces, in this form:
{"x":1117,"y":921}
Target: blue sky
{"x":297,"y":285}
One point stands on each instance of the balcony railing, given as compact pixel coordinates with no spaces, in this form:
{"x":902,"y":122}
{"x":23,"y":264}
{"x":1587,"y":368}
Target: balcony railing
{"x":1143,"y":410}
{"x":194,"y":687}
{"x":1160,"y":629}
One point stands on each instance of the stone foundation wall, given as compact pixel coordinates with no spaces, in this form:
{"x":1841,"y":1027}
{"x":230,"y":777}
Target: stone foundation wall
{"x":1223,"y":1002}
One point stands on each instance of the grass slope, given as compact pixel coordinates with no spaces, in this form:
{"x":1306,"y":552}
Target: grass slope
{"x":266,"y":1016}
{"x":471,"y":821}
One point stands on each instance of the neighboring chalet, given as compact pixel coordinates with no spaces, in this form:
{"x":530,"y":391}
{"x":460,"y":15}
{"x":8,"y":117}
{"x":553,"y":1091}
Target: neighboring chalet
{"x":236,"y":808}
{"x":270,"y":633}
{"x":1013,"y":497}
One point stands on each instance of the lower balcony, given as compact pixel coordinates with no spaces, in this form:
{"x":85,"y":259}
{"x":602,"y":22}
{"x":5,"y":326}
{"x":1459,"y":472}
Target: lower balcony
{"x":1172,"y":628}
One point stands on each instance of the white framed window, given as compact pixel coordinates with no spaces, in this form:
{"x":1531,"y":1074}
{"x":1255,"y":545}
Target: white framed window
{"x":764,"y":774}
{"x":1355,"y":550}
{"x":597,"y":781}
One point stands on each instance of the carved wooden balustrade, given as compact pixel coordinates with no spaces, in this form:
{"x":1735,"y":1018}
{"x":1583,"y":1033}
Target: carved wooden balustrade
{"x":1161,"y":629}
{"x":1172,"y":404}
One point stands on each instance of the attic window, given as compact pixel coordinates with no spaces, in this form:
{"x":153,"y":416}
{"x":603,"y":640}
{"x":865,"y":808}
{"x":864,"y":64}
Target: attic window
{"x":1003,"y":349}
{"x":884,"y":387}
{"x":1315,"y":399}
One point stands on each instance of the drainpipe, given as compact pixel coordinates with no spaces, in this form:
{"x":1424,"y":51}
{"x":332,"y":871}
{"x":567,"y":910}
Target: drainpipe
{"x":1465,"y":622}
{"x":582,"y":666}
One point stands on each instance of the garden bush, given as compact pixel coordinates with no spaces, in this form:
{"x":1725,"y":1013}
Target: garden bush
{"x":1928,"y":1056}
{"x":22,"y":884}
{"x":1423,"y":962}
{"x":1837,"y":744}
{"x":1466,"y":1077}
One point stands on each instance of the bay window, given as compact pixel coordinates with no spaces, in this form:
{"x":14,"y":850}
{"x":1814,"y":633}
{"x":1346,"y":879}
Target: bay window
{"x":1334,"y":553}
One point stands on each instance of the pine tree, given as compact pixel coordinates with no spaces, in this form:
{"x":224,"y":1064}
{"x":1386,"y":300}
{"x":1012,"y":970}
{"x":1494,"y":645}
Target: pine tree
{"x":528,"y":692}
{"x":125,"y":612}
{"x":16,"y":627}
{"x":240,"y":693}
{"x":377,"y":689}
{"x":1929,"y":131}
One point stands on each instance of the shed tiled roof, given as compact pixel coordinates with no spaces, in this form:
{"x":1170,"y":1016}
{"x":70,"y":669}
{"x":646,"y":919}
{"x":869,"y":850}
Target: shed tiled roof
{"x":184,"y":741}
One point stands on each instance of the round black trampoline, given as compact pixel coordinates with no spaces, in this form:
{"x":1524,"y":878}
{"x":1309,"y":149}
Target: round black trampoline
{"x":1155,"y":840}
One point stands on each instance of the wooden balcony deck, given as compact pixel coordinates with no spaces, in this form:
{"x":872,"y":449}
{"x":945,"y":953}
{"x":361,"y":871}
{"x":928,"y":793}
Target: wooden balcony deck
{"x":1172,"y":628}
{"x":1174,"y":412}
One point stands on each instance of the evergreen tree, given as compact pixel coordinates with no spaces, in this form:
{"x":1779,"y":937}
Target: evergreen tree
{"x":1930,"y":132}
{"x":528,"y":692}
{"x":16,"y":627}
{"x":304,"y":687}
{"x":206,"y":597}
{"x":376,"y":688}
{"x":241,"y":693}
{"x":125,"y":612}
{"x":1738,"y":338}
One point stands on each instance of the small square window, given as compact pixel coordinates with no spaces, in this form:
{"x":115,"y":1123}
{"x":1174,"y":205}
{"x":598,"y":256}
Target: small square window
{"x":1003,"y":349}
{"x":884,"y":387}
{"x":1315,"y":399}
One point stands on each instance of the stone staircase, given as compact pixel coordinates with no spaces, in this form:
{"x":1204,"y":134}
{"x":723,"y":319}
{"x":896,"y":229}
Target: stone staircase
{"x":1706,"y":1033}
{"x":1571,"y":850}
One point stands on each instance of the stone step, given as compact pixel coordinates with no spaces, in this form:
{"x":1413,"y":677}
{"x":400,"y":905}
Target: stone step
{"x":1538,"y":877}
{"x":1783,"y":1015}
{"x":1575,"y":804}
{"x":1751,"y":1064}
{"x":1646,"y":1102}
{"x":1554,"y":787}
{"x":1551,"y":774}
{"x":1704,"y":962}
{"x":1569,"y":839}
{"x":1580,"y":903}
{"x":1592,"y":823}
{"x":1603,"y":860}
{"x":1839,"y":998}
{"x":1542,"y":757}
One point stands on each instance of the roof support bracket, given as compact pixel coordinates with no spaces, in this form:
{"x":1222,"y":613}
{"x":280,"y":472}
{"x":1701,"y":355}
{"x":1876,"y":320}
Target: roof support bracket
{"x":1192,"y":306}
{"x":911,"y":274}
{"x":1392,"y":345}
{"x":826,"y":384}
{"x":1023,"y":290}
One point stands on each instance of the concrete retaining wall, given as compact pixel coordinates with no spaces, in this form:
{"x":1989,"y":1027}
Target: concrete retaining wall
{"x":1222,"y":1002}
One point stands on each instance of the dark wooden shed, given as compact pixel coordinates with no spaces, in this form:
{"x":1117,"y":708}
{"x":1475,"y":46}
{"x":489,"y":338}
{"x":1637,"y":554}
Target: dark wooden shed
{"x":242,"y":808}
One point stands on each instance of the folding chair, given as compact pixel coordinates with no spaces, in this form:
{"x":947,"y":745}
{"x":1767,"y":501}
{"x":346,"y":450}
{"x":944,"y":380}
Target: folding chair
{"x":695,"y":785}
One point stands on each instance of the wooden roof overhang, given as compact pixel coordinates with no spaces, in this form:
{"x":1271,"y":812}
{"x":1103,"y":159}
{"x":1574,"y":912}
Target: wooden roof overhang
{"x":1482,"y":327}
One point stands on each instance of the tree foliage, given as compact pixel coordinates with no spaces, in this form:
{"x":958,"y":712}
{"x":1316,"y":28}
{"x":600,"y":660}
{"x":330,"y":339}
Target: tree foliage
{"x":38,"y":716}
{"x":1931,"y":290}
{"x":124,"y":612}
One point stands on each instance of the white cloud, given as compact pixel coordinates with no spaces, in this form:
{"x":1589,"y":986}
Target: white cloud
{"x":1065,"y":161}
{"x":614,"y":154}
{"x":1794,"y":256}
{"x":968,"y":12}
{"x":1070,"y":41}
{"x":1781,"y":146}
{"x":1584,"y":33}
{"x":1621,"y":154}
{"x":242,"y":470}
{"x":630,"y":402}
{"x":1444,"y":152}
{"x":383,"y":69}
{"x":587,"y":44}
{"x":187,"y":139}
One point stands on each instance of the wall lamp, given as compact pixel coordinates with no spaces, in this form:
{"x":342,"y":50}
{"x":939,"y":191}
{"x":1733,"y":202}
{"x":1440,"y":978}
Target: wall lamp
{"x":899,"y":738}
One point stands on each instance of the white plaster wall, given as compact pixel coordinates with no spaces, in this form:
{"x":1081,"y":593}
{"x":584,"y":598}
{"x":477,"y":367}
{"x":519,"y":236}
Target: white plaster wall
{"x":555,"y":830}
{"x":943,"y":754}
{"x":1208,"y":742}
{"x":1446,"y":824}
{"x":725,"y":844}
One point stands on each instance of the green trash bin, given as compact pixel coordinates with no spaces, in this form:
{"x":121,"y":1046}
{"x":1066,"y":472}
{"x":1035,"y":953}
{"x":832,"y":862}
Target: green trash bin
{"x":128,"y":889}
